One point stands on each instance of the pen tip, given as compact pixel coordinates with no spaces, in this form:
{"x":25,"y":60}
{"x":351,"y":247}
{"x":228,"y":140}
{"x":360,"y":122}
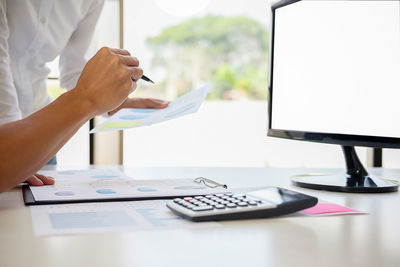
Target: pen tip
{"x":147,"y":79}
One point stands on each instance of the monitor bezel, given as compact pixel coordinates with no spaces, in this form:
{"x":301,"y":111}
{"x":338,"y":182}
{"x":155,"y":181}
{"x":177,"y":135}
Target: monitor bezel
{"x":320,"y":137}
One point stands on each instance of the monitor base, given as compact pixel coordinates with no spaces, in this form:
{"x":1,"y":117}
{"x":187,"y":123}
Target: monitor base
{"x":343,"y":183}
{"x":356,"y":179}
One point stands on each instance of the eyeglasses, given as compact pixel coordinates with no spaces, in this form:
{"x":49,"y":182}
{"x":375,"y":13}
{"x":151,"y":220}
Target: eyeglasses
{"x":209,"y":183}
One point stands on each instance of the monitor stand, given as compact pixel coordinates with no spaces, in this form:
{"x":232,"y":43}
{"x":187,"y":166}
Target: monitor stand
{"x":356,"y":179}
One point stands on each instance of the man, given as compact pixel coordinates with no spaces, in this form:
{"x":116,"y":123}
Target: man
{"x":35,"y":32}
{"x":27,"y":144}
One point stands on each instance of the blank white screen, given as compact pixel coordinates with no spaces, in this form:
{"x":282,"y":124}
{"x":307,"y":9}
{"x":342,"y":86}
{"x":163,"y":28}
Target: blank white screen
{"x":337,"y":68}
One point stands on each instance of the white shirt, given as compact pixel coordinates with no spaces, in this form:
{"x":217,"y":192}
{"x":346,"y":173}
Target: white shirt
{"x":32,"y":33}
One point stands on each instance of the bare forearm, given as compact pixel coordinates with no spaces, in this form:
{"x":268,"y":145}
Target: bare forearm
{"x":26,"y":145}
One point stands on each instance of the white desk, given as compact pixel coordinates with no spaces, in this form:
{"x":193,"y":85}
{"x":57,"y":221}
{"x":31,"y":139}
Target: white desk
{"x":351,"y":240}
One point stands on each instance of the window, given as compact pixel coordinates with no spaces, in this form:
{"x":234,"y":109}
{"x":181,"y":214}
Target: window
{"x":390,"y":158}
{"x":76,"y":151}
{"x":182,"y":45}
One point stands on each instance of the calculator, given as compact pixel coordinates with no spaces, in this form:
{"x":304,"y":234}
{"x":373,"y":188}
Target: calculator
{"x":268,"y":202}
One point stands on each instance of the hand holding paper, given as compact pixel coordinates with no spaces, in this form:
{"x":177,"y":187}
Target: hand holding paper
{"x":141,"y":103}
{"x":129,"y":118}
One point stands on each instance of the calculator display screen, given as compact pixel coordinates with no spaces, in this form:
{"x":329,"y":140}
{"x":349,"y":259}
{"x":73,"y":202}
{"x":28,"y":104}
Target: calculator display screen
{"x":275,"y":195}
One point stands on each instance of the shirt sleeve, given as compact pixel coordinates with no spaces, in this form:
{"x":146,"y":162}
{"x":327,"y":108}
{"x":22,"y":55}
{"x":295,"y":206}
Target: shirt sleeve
{"x":72,"y":58}
{"x":9,"y":107}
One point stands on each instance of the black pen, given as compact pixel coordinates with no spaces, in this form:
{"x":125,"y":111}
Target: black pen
{"x":144,"y":77}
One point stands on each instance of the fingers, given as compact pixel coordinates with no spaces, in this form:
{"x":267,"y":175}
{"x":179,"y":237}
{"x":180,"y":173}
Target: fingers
{"x":155,"y":103}
{"x":108,"y":78}
{"x":123,"y":57}
{"x":38,"y":180}
{"x":129,"y":61}
{"x":141,"y":103}
{"x":145,"y":103}
{"x":135,"y":73}
{"x":33,"y":180}
{"x":47,"y":180}
{"x":120,"y":51}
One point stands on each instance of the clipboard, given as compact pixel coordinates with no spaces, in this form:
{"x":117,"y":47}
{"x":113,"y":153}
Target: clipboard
{"x":29,"y":198}
{"x":80,"y":189}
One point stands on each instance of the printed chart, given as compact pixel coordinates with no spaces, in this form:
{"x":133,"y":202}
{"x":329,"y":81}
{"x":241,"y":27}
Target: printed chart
{"x":86,"y":218}
{"x":101,"y":184}
{"x":130,"y":118}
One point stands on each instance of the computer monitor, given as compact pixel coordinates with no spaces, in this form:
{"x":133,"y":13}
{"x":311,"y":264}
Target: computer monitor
{"x":335,"y":78}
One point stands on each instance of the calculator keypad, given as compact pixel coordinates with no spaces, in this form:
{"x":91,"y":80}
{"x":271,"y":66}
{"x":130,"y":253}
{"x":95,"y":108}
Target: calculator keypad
{"x":217,"y":202}
{"x":262,"y":203}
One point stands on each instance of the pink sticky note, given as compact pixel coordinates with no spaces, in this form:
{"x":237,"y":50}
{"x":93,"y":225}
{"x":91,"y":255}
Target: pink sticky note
{"x":329,"y":208}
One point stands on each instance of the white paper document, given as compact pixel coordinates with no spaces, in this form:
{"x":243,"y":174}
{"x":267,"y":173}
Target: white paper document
{"x":100,"y":184}
{"x":87,"y":218}
{"x":130,"y":118}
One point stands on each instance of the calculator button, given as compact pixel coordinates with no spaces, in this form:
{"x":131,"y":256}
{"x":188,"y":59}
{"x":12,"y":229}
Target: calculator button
{"x":176,"y":200}
{"x":231,"y":205}
{"x":238,"y":195}
{"x":219,"y":206}
{"x":235,"y":201}
{"x":198,"y":197}
{"x":187,"y":198}
{"x":215,"y":198}
{"x":228,"y":194}
{"x":219,"y":195}
{"x":242,"y":204}
{"x":209,"y":196}
{"x":252,"y":202}
{"x":225,"y":197}
{"x":202,"y":208}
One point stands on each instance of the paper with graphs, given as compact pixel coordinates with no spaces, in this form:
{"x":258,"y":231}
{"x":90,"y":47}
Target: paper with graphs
{"x":112,"y":184}
{"x":85,"y":218}
{"x":130,"y":118}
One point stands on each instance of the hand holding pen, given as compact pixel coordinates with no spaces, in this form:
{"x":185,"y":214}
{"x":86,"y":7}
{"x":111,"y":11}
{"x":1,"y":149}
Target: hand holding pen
{"x":141,"y":102}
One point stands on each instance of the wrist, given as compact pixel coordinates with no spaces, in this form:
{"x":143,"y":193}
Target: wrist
{"x":80,"y":103}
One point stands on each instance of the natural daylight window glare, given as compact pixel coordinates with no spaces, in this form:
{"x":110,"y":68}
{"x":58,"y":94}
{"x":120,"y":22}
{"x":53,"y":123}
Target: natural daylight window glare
{"x":183,"y":45}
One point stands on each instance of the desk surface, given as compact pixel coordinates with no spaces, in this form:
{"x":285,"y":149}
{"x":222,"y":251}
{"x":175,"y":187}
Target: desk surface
{"x":351,"y":240}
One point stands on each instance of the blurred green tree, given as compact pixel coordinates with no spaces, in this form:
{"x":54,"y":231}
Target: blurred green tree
{"x":230,"y":52}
